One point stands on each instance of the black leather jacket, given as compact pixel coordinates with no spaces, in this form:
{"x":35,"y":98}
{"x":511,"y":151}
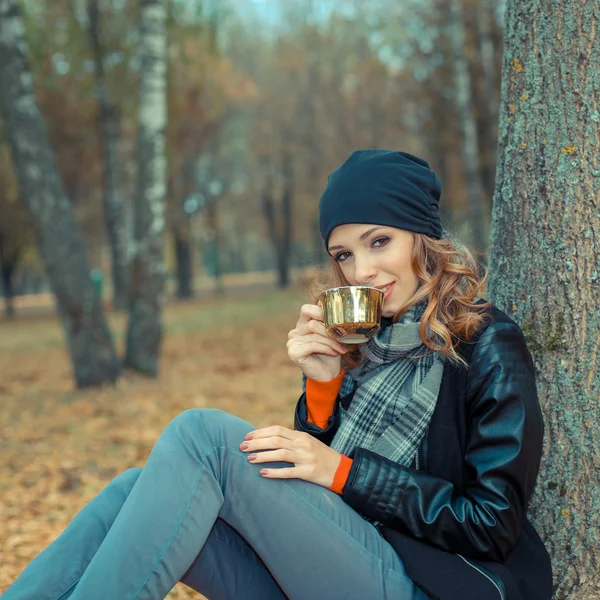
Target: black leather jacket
{"x":461,"y":507}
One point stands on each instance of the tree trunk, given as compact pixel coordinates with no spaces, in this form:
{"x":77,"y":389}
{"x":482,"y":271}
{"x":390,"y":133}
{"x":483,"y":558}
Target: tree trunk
{"x":485,"y":14}
{"x":488,"y":56}
{"x":6,"y":273}
{"x":57,"y":235}
{"x":147,"y":283}
{"x":114,"y":205}
{"x":469,"y":145}
{"x":285,"y":238}
{"x":183,"y":258}
{"x":214,"y":229}
{"x":181,"y":227}
{"x":279,"y":229}
{"x":9,"y":259}
{"x":269,"y":212}
{"x":544,"y":262}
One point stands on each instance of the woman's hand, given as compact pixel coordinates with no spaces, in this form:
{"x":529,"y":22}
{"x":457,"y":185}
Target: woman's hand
{"x":309,"y":346}
{"x":313,"y":461}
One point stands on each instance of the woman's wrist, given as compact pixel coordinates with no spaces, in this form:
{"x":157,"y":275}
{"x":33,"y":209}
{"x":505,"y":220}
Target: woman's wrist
{"x":320,"y":399}
{"x":338,"y":377}
{"x":341,"y":474}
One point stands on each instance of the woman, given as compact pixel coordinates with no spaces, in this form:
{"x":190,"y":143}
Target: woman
{"x":410,"y":467}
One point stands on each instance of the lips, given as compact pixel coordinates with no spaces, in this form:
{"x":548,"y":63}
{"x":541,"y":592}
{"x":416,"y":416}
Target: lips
{"x":387,"y":289}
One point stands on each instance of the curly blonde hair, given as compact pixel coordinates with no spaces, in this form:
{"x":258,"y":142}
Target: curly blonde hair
{"x":450,"y":282}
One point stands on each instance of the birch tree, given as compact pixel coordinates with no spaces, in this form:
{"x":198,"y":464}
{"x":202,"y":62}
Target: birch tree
{"x":58,"y":238}
{"x":108,"y":126}
{"x":545,"y":261}
{"x":145,"y":329}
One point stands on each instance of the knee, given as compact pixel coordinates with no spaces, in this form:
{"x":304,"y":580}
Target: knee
{"x":195,"y":421}
{"x":123,"y":483}
{"x":117,"y":491}
{"x":206,"y":424}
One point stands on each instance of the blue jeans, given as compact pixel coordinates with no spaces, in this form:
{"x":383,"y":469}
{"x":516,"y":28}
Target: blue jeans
{"x":199,"y":512}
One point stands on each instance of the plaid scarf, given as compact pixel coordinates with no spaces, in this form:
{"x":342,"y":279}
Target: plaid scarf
{"x":395,"y":394}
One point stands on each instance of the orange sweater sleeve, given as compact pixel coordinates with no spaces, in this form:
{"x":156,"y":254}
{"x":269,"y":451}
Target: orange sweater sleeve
{"x":341,"y":475}
{"x":320,"y":399}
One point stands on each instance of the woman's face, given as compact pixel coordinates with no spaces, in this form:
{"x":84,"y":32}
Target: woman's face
{"x":376,"y":256}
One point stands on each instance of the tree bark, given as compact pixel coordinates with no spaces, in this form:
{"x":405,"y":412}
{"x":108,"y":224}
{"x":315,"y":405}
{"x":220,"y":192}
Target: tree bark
{"x":144,"y":334}
{"x":6,"y":273}
{"x":181,"y":229}
{"x":469,"y":143}
{"x":9,"y":259}
{"x":183,"y":258}
{"x":545,"y":266}
{"x":287,"y":199}
{"x":486,"y":97}
{"x":57,"y":235}
{"x":114,"y":204}
{"x":280,"y":225}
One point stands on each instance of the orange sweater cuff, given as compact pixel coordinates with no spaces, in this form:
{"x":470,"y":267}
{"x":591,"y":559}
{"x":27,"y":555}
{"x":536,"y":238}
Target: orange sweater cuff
{"x":320,"y":399}
{"x":341,"y":475}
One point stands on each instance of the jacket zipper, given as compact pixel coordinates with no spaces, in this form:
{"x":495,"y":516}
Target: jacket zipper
{"x":485,"y":575}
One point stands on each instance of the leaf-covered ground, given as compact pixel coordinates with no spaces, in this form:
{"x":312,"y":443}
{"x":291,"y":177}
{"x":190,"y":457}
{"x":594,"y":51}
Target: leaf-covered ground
{"x":60,"y":447}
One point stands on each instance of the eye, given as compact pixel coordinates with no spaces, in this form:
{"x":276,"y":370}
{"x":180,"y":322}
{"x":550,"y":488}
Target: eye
{"x":341,"y":257}
{"x":380,"y":241}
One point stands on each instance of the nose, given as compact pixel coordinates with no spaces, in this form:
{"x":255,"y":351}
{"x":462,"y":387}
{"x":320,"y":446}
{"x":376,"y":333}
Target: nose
{"x":364,"y":271}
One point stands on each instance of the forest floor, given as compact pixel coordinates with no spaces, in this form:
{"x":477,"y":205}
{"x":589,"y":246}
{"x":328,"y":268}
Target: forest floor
{"x":60,"y":446}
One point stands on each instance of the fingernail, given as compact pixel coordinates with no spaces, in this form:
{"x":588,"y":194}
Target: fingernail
{"x":244,"y":445}
{"x":252,"y":457}
{"x":264,"y":472}
{"x":248,"y":436}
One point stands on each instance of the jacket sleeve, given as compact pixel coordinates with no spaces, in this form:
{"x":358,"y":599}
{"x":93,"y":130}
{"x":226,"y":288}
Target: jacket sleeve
{"x":502,"y":456}
{"x":301,"y":422}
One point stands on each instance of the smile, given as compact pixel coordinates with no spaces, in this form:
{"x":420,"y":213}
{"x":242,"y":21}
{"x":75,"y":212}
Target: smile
{"x":387,"y":289}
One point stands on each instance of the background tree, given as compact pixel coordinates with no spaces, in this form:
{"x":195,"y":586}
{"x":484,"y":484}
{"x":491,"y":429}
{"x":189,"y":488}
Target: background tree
{"x":115,"y":206}
{"x":469,"y":143}
{"x":310,"y":80}
{"x":16,"y":238}
{"x":145,"y":329}
{"x":544,"y":261}
{"x":58,"y":238}
{"x":206,"y":93}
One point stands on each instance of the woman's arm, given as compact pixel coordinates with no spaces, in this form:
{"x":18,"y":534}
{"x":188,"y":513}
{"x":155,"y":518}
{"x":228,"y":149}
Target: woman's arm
{"x":321,"y":397}
{"x":504,"y":445}
{"x":307,"y":412}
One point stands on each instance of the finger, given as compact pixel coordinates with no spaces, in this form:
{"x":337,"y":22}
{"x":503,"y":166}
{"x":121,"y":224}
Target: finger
{"x":274,"y":442}
{"x":312,"y":326}
{"x":273,"y":430}
{"x":308,"y":312}
{"x":307,"y":328}
{"x":284,"y":473}
{"x":273,"y":456}
{"x":319,"y":339}
{"x":298,"y":347}
{"x":301,"y":352}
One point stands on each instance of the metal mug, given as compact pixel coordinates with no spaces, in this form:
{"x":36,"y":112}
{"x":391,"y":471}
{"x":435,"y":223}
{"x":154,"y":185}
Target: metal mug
{"x":352,"y":313}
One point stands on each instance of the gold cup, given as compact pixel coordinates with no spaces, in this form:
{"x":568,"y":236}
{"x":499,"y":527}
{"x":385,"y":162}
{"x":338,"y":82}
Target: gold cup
{"x":352,"y":313}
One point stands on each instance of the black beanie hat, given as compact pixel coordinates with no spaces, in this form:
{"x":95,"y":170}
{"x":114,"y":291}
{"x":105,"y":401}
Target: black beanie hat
{"x":382,"y":187}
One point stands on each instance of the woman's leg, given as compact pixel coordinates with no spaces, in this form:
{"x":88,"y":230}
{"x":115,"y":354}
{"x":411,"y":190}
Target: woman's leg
{"x":313,"y":544}
{"x":53,"y":573}
{"x":227,"y":568}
